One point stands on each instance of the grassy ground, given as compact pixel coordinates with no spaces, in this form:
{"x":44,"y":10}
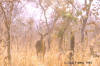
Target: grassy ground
{"x":26,"y":56}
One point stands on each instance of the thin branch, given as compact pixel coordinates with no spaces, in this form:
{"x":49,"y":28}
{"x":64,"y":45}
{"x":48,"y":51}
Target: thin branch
{"x":44,"y":12}
{"x":5,"y":17}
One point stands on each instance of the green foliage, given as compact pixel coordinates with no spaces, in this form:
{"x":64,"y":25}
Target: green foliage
{"x":63,"y":14}
{"x":88,"y":5}
{"x":74,"y":19}
{"x":70,"y":17}
{"x":79,"y":13}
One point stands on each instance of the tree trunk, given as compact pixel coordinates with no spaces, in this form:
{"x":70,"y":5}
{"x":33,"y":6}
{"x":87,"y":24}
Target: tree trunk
{"x":8,"y":49}
{"x":60,"y":43}
{"x":83,"y":28}
{"x":72,"y":46}
{"x":8,"y":42}
{"x":49,"y":41}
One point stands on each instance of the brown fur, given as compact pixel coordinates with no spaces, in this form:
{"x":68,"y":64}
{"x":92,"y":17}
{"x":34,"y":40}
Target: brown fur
{"x":40,"y":47}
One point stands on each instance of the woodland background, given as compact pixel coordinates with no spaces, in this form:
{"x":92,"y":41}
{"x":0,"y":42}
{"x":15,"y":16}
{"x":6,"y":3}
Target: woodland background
{"x":73,"y":27}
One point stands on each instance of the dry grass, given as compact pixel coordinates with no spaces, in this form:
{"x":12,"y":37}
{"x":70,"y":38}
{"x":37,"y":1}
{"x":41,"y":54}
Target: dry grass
{"x":25,"y":56}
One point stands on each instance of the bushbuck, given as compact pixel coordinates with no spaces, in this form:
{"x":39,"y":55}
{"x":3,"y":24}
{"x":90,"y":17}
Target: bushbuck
{"x":40,"y":45}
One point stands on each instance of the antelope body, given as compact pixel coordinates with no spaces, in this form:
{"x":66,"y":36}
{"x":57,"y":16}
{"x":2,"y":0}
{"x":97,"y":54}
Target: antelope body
{"x":40,"y":47}
{"x":40,"y":44}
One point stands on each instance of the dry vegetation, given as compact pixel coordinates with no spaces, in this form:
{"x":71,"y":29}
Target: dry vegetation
{"x":26,"y":56}
{"x":61,"y":32}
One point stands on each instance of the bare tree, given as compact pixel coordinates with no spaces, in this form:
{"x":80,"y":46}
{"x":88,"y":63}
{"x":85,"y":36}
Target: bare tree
{"x":85,"y":18}
{"x":7,"y":11}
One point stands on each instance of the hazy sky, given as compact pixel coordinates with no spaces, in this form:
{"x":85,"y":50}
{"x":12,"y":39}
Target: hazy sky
{"x":31,"y":10}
